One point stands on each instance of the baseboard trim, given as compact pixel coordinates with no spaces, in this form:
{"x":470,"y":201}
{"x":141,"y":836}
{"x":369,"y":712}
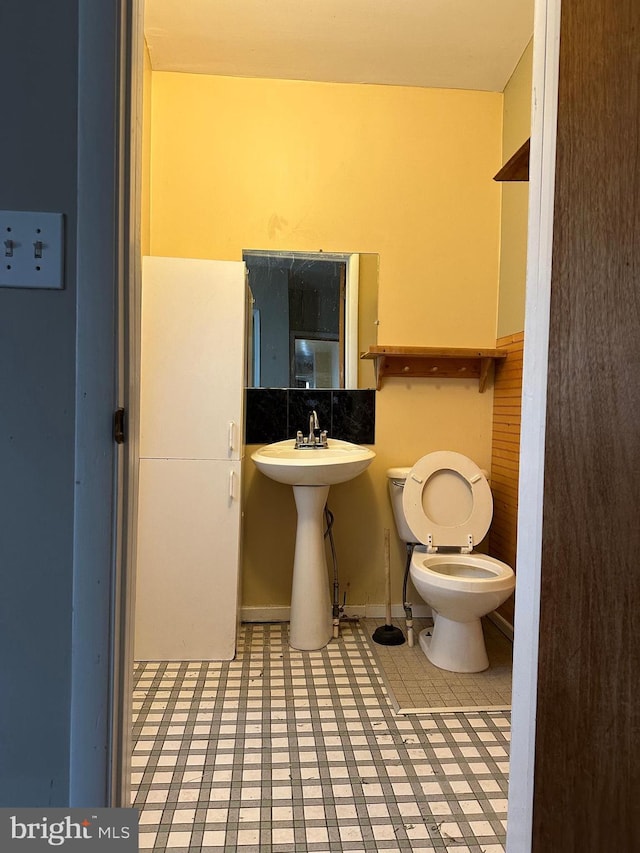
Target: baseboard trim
{"x":362,"y":611}
{"x":501,"y":624}
{"x":264,"y":614}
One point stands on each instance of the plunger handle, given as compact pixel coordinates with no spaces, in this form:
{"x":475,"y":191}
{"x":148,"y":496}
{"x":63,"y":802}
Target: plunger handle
{"x":387,"y":575}
{"x":386,"y":634}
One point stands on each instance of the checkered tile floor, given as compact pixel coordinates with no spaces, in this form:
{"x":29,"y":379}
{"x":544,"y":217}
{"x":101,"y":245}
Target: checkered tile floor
{"x":289,"y":752}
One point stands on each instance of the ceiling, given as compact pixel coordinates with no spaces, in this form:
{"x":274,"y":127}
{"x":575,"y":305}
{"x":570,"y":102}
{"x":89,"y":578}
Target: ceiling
{"x":455,"y":44}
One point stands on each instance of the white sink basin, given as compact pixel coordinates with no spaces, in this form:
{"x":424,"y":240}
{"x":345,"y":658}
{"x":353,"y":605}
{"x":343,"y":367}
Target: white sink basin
{"x":311,"y":471}
{"x":319,"y":466}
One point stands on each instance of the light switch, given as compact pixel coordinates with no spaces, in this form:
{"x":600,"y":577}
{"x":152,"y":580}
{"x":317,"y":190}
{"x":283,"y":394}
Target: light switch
{"x":31,"y":249}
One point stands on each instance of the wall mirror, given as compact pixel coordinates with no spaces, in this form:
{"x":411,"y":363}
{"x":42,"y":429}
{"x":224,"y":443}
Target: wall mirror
{"x":312,"y":314}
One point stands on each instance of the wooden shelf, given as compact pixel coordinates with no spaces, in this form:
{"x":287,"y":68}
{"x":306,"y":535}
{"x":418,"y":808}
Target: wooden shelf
{"x":517,"y":167}
{"x":433,"y":362}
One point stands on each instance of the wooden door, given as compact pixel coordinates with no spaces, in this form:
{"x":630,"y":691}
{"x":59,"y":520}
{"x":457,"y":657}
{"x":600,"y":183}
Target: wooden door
{"x":587,"y":753}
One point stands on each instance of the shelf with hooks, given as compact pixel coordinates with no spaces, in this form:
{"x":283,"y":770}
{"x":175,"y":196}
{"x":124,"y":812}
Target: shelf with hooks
{"x":433,"y":362}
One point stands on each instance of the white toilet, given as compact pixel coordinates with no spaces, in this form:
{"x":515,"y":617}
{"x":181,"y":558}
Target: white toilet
{"x":444,"y":502}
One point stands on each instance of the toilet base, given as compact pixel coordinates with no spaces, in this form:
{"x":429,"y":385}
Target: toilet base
{"x":455,"y":646}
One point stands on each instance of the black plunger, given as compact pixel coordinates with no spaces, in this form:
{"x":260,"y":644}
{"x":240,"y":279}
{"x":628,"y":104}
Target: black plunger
{"x":388,"y":634}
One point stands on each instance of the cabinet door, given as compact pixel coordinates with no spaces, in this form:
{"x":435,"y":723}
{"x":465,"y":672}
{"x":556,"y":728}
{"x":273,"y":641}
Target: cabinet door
{"x":187,"y":572}
{"x":192,"y":359}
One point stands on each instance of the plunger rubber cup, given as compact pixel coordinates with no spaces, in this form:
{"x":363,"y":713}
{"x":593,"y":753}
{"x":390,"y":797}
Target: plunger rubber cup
{"x":388,"y":635}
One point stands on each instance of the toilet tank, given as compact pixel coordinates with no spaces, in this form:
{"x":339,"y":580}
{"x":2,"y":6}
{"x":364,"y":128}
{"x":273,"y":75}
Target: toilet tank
{"x":396,"y":478}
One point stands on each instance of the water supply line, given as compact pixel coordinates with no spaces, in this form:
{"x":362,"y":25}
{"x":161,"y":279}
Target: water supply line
{"x":407,"y":605}
{"x":336,"y":586}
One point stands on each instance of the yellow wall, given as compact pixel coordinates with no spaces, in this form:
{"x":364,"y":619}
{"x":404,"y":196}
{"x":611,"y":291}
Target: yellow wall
{"x":515,"y":201}
{"x":402,"y":172}
{"x":145,"y":180}
{"x":367,"y":316}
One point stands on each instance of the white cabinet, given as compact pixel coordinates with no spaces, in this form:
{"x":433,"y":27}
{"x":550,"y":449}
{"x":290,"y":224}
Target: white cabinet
{"x":188,"y":549}
{"x":191,"y":447}
{"x":192,"y":359}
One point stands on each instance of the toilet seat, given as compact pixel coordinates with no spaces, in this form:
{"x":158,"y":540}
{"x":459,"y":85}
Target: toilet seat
{"x":447,"y":502}
{"x":471,"y":573}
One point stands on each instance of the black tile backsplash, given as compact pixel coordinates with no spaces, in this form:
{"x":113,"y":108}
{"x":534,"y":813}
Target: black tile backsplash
{"x":274,"y":414}
{"x":265,"y":415}
{"x":353,"y":416}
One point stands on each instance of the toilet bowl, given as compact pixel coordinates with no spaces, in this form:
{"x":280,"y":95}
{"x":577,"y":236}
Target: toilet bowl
{"x":444,"y":504}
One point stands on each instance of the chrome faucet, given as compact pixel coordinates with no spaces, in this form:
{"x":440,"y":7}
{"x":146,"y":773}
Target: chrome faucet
{"x":316,"y":437}
{"x":314,"y":425}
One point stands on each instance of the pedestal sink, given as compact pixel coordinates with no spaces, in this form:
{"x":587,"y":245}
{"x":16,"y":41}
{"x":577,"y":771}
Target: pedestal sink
{"x":311,"y":471}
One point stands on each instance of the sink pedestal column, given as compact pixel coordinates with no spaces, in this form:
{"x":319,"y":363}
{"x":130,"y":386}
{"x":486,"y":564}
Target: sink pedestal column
{"x":311,"y":621}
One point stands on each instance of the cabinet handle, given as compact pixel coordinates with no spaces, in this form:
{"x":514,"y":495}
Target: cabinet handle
{"x":232,"y":485}
{"x":232,"y":431}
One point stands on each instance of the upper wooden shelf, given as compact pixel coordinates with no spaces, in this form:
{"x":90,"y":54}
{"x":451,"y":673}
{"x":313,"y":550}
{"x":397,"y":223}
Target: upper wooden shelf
{"x":433,"y":362}
{"x":517,"y":167}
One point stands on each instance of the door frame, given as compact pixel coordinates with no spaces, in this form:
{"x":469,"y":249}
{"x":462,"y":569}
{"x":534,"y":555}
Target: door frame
{"x":544,"y":110}
{"x":110,"y":39}
{"x":129,"y":161}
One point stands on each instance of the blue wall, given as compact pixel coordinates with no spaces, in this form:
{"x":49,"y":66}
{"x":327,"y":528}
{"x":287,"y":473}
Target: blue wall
{"x":57,"y":396}
{"x":38,"y":153}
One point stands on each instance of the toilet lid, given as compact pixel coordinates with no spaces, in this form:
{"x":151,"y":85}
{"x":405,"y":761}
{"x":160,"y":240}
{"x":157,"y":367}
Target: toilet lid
{"x":446,"y":500}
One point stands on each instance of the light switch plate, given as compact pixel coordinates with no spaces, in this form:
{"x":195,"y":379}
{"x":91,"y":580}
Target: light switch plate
{"x":31,"y":249}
